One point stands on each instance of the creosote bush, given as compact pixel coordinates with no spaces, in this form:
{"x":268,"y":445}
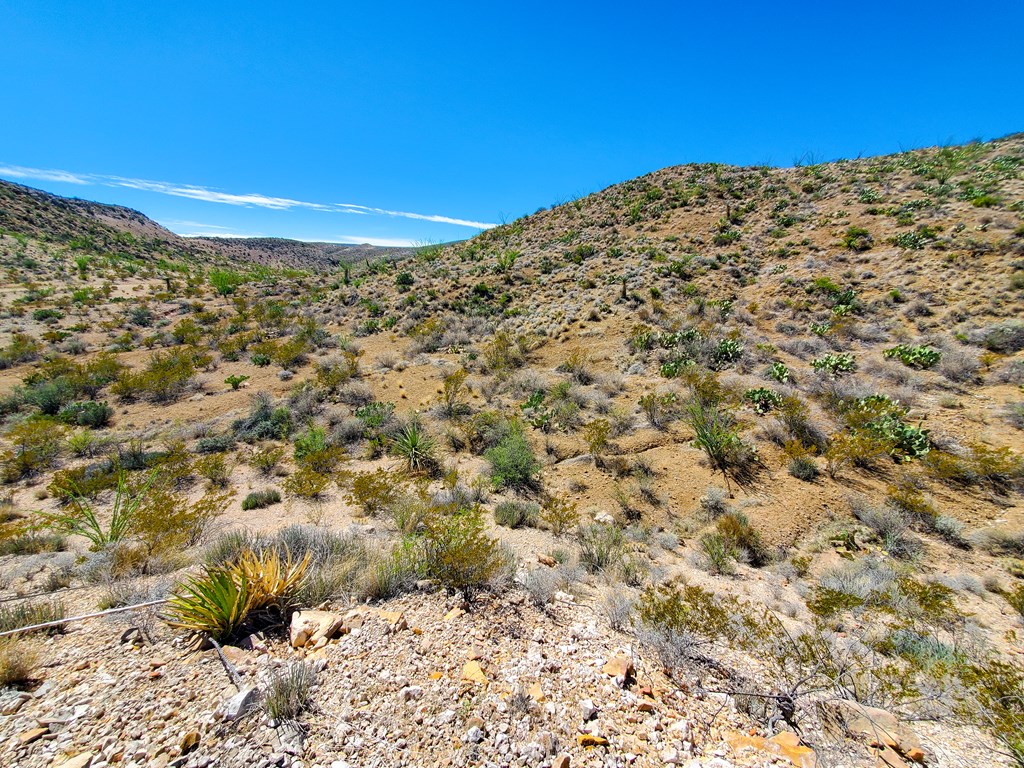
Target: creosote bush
{"x":513,"y":464}
{"x":374,"y":492}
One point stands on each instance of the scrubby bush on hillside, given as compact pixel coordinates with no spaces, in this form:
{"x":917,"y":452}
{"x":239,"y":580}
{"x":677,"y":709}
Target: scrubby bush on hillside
{"x":264,"y":422}
{"x":517,"y":514}
{"x":513,"y":464}
{"x":166,"y":376}
{"x":261,"y":499}
{"x":87,"y":414}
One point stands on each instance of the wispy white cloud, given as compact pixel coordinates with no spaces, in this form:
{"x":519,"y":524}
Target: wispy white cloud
{"x":228,"y":235}
{"x":176,"y":224}
{"x":39,"y":174}
{"x":352,"y":208}
{"x":209,"y":195}
{"x":389,"y":242}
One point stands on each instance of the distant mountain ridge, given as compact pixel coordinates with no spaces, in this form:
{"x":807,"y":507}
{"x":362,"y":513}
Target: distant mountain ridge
{"x":34,"y":213}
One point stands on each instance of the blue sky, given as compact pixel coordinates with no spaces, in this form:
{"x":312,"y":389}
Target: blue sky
{"x":414,"y":122}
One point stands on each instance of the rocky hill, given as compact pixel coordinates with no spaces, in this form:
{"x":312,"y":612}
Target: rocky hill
{"x":719,"y":466}
{"x":87,"y":225}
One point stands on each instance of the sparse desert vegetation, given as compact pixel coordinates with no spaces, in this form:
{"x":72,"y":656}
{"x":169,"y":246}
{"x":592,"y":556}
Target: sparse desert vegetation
{"x":737,"y":448}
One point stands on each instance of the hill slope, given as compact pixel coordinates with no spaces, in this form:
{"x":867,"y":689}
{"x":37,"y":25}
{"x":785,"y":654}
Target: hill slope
{"x":718,"y":466}
{"x":31,"y":212}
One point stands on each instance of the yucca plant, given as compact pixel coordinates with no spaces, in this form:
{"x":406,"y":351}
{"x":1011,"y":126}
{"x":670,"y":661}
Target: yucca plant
{"x":213,"y":604}
{"x":82,"y":519}
{"x":270,"y":577}
{"x":220,"y":600}
{"x":417,"y":448}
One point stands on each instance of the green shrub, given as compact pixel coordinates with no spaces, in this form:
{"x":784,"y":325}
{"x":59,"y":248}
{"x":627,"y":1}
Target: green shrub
{"x":577,"y":365}
{"x":601,"y":546}
{"x":687,"y":617}
{"x":375,"y":492}
{"x":21,"y":349}
{"x":857,"y":239}
{"x":264,"y":422}
{"x":42,"y":315}
{"x":49,"y":396}
{"x":265,"y":460}
{"x":715,"y":433}
{"x":458,"y":552}
{"x":261,"y":499}
{"x":517,"y":514}
{"x":718,"y":554}
{"x":803,"y":468}
{"x":312,"y":441}
{"x":559,"y":514}
{"x":741,"y":536}
{"x":513,"y":464}
{"x":453,"y":393}
{"x":88,"y":413}
{"x":35,"y":446}
{"x":225,"y":282}
{"x":215,"y":444}
{"x":165,"y":377}
{"x":660,"y":409}
{"x":307,"y":483}
{"x":998,"y":468}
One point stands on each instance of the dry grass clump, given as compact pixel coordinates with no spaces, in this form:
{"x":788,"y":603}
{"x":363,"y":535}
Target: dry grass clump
{"x":289,"y":691}
{"x":17,"y":661}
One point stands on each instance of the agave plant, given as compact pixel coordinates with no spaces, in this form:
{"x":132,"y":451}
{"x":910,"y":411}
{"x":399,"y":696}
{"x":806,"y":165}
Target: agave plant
{"x":220,"y":600}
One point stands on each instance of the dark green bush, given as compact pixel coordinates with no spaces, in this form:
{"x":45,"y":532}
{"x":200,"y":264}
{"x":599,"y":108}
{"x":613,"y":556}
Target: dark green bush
{"x":87,"y":413}
{"x":261,"y":499}
{"x":804,"y":468}
{"x":264,"y":422}
{"x":513,"y":464}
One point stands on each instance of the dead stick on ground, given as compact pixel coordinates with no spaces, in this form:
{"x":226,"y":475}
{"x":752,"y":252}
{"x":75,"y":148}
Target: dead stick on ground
{"x":72,"y":619}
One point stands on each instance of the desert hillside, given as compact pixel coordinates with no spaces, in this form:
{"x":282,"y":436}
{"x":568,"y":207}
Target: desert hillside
{"x":717,"y":466}
{"x":84,"y":226}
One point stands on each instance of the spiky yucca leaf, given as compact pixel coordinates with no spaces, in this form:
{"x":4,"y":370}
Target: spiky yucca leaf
{"x":213,"y":604}
{"x":270,"y":576}
{"x":219,"y":601}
